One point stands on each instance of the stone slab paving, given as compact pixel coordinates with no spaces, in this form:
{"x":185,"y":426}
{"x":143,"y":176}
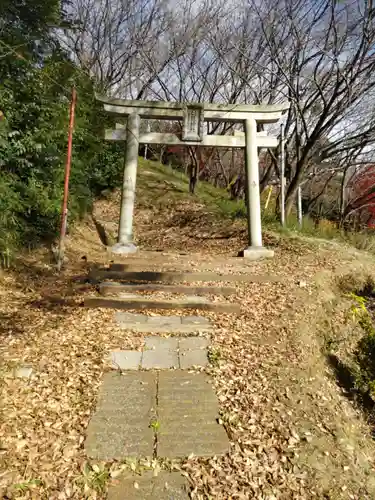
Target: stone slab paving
{"x":131,"y":318}
{"x":184,"y":405}
{"x":164,"y":320}
{"x":120,"y":426}
{"x":162,"y":324}
{"x":23,"y":372}
{"x":125,"y":360}
{"x":187,"y":414}
{"x":171,"y":343}
{"x":164,"y":486}
{"x":163,"y":353}
{"x":195,"y":320}
{"x":160,"y":359}
{"x":192,"y":343}
{"x":160,"y":352}
{"x":193,"y":352}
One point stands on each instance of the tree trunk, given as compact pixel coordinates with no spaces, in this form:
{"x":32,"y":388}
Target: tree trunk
{"x":193,"y":171}
{"x":224,"y":174}
{"x":193,"y":179}
{"x":161,"y":154}
{"x":294,"y":183}
{"x":343,"y":197}
{"x":290,"y":198}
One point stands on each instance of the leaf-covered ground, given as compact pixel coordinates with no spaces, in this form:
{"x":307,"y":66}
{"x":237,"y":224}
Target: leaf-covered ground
{"x":293,"y":433}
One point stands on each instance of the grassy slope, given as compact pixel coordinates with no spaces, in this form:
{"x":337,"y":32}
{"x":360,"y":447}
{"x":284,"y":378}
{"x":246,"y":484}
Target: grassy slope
{"x":169,"y":188}
{"x":164,"y":192}
{"x":215,"y":199}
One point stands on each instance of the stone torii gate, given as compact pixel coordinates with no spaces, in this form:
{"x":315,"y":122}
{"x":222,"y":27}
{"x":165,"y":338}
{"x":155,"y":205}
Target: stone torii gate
{"x":193,"y":117}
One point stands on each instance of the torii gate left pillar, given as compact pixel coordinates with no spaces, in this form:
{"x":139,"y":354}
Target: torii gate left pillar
{"x":193,"y":116}
{"x":125,"y":243}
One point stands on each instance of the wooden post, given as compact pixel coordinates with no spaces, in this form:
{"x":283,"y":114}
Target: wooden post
{"x":299,"y":206}
{"x":64,"y":208}
{"x":233,"y":159}
{"x":268,"y":197}
{"x":146,"y":145}
{"x":282,"y":176}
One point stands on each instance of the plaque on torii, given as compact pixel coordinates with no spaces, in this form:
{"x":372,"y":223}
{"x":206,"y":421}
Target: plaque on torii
{"x":193,"y":121}
{"x":193,"y":116}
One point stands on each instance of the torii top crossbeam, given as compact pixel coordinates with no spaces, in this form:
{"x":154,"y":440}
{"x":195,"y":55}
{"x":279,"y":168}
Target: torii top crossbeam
{"x":262,"y":113}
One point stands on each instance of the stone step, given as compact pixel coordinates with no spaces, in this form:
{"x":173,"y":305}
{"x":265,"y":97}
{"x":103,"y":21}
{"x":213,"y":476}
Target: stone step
{"x":163,"y":324}
{"x":180,"y":266}
{"x":97,"y":275}
{"x":113,"y":288}
{"x":145,"y":303}
{"x":186,"y":262}
{"x":140,"y":262}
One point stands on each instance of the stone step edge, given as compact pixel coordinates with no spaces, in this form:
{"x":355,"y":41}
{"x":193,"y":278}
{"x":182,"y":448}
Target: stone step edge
{"x":144,"y":304}
{"x":112,"y":287}
{"x":147,"y":328}
{"x":96,"y":275}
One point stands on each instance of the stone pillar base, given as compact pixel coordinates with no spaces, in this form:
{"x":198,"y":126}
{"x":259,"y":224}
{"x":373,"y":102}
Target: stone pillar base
{"x":256,"y":253}
{"x":124,"y":248}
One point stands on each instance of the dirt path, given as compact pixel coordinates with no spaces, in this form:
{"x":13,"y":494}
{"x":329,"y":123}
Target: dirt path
{"x":293,"y":434}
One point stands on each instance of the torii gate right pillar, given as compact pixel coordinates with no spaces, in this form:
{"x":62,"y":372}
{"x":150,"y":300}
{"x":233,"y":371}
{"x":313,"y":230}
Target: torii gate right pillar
{"x":255,"y":250}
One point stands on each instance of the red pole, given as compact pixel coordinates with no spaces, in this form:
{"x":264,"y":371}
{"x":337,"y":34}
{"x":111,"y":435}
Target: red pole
{"x":64,"y":209}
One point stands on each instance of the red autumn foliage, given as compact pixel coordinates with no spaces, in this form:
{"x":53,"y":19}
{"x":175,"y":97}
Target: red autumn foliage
{"x":362,"y":193}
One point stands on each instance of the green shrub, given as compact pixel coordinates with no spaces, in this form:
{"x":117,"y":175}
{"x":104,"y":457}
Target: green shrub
{"x":10,"y":206}
{"x":33,"y":144}
{"x":365,"y":350}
